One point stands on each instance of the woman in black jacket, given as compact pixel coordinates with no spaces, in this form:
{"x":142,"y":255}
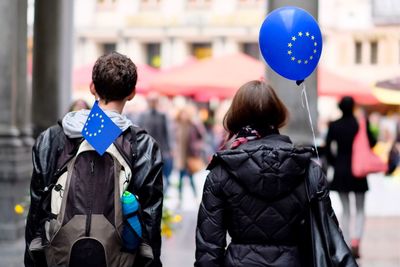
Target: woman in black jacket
{"x":255,"y":190}
{"x":342,"y":132}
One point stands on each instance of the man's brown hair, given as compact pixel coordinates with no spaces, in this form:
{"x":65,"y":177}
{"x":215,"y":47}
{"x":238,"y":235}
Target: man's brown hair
{"x":255,"y":104}
{"x":114,"y":76}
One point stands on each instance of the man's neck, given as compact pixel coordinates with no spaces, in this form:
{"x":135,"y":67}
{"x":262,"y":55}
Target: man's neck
{"x":117,"y":106}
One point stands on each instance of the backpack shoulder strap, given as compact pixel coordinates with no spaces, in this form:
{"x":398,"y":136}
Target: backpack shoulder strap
{"x":67,"y":151}
{"x":127,"y":146}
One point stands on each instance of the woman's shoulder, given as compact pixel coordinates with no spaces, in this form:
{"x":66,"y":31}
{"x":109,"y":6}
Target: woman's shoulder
{"x":217,"y":170}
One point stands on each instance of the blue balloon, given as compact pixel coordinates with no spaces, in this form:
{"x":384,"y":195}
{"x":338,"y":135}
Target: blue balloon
{"x":290,"y":42}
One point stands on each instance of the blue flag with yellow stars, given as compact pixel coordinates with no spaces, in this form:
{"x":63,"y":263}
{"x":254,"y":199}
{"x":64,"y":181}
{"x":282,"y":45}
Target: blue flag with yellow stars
{"x":99,"y":130}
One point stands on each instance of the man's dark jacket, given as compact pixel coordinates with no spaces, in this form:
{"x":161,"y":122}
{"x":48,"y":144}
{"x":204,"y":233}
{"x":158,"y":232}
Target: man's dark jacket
{"x":52,"y":150}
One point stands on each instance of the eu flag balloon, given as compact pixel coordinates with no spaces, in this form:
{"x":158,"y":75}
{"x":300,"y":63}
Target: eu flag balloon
{"x":290,"y":42}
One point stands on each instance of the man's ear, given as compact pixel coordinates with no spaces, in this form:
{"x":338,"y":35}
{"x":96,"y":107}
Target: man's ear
{"x":131,"y":95}
{"x":93,"y":89}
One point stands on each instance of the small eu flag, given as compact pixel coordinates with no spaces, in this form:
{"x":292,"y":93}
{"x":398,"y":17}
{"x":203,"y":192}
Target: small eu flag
{"x":99,"y":130}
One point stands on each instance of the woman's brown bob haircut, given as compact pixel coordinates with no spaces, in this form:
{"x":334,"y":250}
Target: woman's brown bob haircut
{"x":255,"y":104}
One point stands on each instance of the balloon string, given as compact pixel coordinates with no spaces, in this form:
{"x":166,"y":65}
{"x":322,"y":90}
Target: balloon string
{"x":304,"y":96}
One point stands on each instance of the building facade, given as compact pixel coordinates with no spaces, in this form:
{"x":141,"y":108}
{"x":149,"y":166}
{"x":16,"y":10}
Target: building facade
{"x":164,"y":33}
{"x":361,"y":38}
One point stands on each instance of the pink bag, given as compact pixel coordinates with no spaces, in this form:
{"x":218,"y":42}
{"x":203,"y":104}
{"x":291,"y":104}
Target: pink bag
{"x":364,"y":161}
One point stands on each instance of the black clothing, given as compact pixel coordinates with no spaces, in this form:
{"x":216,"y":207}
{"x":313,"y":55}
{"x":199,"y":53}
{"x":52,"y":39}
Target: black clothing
{"x":52,"y":147}
{"x":155,"y":123}
{"x":343,"y":131}
{"x":255,"y":193}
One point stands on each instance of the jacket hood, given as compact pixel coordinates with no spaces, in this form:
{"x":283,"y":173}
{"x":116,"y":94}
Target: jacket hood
{"x":74,"y":121}
{"x":269,"y":167}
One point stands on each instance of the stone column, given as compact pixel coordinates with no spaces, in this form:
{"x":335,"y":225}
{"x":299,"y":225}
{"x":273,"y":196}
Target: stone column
{"x":52,"y":62}
{"x":15,"y":141}
{"x":298,"y":127}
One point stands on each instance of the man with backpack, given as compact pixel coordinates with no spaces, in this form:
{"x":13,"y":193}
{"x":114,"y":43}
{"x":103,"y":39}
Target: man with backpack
{"x":78,"y":213}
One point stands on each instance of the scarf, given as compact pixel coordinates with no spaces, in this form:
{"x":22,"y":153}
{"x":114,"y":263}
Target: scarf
{"x":244,"y":135}
{"x":248,"y":133}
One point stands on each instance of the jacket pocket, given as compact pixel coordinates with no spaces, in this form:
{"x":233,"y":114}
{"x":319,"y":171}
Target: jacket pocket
{"x":36,"y":250}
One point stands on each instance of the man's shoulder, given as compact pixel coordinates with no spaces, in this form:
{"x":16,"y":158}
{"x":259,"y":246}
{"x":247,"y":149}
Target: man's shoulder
{"x":54,"y":129}
{"x":50,"y":135}
{"x":142,"y":136}
{"x":145,"y":142}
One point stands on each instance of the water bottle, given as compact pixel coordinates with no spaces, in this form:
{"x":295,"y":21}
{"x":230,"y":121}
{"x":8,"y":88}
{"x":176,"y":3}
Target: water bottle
{"x":132,"y":233}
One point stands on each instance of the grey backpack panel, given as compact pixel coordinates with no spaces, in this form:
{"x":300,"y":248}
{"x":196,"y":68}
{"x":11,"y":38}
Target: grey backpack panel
{"x":87,"y":229}
{"x":89,"y":181}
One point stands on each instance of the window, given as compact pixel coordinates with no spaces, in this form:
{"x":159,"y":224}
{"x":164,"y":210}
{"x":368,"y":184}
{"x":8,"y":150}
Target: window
{"x":108,"y":47}
{"x":106,"y":4}
{"x":201,"y":50}
{"x":251,"y":3}
{"x":199,"y":3}
{"x":251,"y":49}
{"x":150,"y":3}
{"x":153,"y":54}
{"x":374,"y":52}
{"x":358,"y":52}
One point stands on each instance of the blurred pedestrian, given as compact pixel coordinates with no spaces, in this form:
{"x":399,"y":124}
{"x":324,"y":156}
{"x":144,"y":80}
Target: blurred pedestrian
{"x":256,"y":192}
{"x":189,"y":147}
{"x":157,"y":124}
{"x":342,"y":133}
{"x":394,"y":153}
{"x":78,"y":105}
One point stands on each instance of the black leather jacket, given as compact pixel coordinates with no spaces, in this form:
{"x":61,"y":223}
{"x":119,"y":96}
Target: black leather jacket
{"x":146,"y":164}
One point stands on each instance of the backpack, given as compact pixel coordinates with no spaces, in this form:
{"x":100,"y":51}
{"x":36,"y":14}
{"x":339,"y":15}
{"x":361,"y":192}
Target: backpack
{"x":86,"y":221}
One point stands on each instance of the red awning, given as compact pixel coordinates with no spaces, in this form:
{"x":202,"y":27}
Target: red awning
{"x":221,"y":77}
{"x":214,"y":77}
{"x":331,"y":84}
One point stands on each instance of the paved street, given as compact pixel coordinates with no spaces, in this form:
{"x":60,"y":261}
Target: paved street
{"x":380,"y":247}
